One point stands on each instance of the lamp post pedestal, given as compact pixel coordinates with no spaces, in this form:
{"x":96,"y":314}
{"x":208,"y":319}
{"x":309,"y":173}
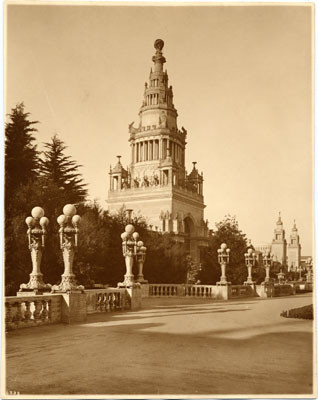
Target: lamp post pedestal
{"x":129,"y":278}
{"x":249,"y":281}
{"x":140,"y":276}
{"x":223,"y":281}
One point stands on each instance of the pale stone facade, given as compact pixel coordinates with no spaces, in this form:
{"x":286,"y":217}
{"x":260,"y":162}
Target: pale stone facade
{"x":156,"y":183}
{"x":294,"y":250}
{"x":279,"y":244}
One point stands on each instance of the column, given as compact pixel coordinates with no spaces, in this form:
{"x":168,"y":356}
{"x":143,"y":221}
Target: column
{"x":132,"y":153}
{"x":110,"y":182}
{"x":160,"y":149}
{"x":140,"y":151}
{"x":150,"y":150}
{"x":145,"y":150}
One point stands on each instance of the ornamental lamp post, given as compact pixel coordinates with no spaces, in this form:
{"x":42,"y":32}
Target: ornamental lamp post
{"x":69,"y":230}
{"x":250,"y":261}
{"x":267,"y":261}
{"x":129,"y":246}
{"x":141,"y":257}
{"x":36,"y":236}
{"x":223,"y":259}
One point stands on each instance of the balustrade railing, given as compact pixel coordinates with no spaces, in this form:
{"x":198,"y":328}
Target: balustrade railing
{"x":106,"y":300}
{"x":164,"y":290}
{"x":25,"y":311}
{"x":181,"y":290}
{"x":198,"y":290}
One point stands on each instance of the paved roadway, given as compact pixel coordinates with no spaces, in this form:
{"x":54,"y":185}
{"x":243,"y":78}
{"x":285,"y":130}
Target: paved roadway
{"x":172,"y":346}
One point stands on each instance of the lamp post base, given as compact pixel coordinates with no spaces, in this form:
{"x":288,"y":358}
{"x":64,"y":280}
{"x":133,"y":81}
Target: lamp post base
{"x":128,"y":281}
{"x":249,"y":282}
{"x":223,"y":283}
{"x":140,"y":279}
{"x":35,"y":284}
{"x":67,"y":285}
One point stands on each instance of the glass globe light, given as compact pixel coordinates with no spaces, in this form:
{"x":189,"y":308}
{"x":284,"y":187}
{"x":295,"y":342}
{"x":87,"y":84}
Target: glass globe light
{"x":124,"y":236}
{"x":30,"y":221}
{"x":76,"y":219}
{"x":61,"y":219}
{"x":130,"y":229}
{"x":37,"y":212}
{"x":69,"y":210}
{"x":44,"y":222}
{"x":136,"y":235}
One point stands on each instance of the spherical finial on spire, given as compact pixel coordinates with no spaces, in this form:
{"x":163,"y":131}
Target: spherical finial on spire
{"x":159,"y":43}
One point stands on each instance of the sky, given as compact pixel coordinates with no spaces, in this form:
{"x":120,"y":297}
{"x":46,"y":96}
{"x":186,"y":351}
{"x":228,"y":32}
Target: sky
{"x":242,"y":82}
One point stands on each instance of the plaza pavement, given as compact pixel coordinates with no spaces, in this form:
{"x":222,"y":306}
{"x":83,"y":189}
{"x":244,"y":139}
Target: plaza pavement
{"x":171,"y":346}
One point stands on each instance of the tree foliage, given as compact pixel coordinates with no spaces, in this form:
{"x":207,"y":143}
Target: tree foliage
{"x":59,"y":171}
{"x":227,"y":231}
{"x":21,"y":159}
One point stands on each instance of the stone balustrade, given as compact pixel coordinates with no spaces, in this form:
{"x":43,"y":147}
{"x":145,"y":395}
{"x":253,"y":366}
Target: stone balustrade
{"x":165,"y":290}
{"x":26,"y":311}
{"x":182,"y":290}
{"x":199,"y":290}
{"x":106,"y":300}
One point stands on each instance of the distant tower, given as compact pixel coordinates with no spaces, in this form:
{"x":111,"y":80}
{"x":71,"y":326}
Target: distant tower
{"x":278,"y":247}
{"x":156,"y":183}
{"x":294,"y":250}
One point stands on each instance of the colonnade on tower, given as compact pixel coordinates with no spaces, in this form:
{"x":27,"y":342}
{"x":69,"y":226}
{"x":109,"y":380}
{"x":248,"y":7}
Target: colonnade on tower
{"x":156,"y":182}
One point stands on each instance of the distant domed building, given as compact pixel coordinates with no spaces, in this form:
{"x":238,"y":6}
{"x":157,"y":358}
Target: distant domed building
{"x":156,"y":183}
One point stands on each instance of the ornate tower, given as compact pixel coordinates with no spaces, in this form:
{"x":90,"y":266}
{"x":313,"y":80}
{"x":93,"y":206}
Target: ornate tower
{"x":156,"y":183}
{"x":294,"y":250}
{"x":278,"y":247}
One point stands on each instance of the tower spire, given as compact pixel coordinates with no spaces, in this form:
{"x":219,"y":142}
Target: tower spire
{"x":158,"y":58}
{"x":279,"y":221}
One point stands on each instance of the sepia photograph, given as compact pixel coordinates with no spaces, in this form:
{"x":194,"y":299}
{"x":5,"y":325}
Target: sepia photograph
{"x":158,"y":200}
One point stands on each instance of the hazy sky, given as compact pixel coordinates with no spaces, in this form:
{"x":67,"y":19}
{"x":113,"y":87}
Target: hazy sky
{"x":242,"y":87}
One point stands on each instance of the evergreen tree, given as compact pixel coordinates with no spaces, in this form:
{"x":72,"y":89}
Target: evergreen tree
{"x":60,"y":175}
{"x":21,"y":155}
{"x":21,"y":191}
